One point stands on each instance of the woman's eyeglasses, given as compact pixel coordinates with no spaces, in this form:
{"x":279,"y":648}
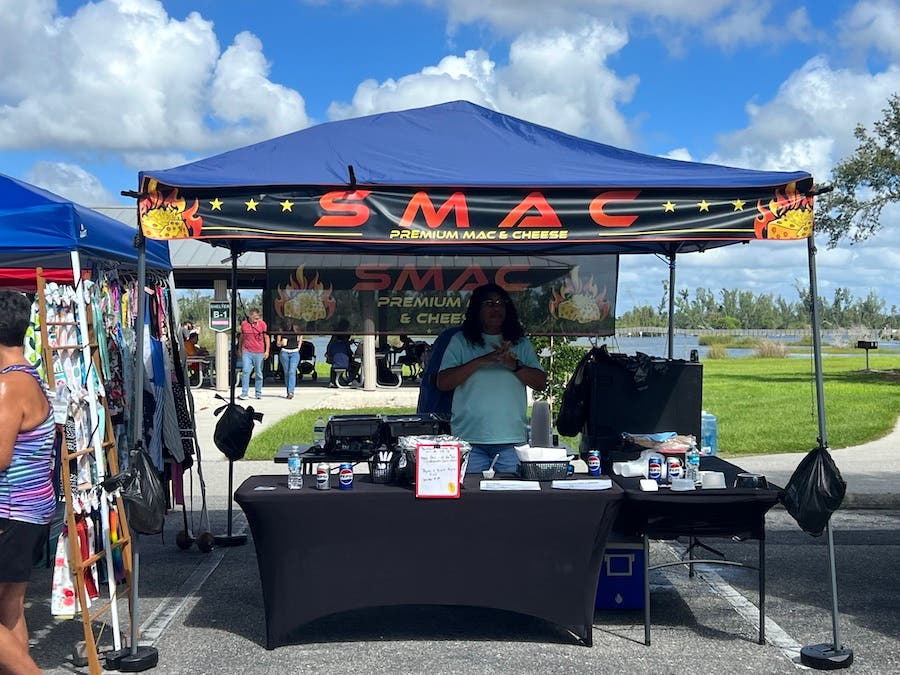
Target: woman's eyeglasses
{"x":494,"y":302}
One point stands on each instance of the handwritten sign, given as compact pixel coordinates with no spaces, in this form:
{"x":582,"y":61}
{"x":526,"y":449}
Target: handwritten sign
{"x":437,"y":470}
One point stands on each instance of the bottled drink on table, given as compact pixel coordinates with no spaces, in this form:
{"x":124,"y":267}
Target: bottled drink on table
{"x":692,"y":464}
{"x":319,"y":432}
{"x":295,"y":469}
{"x":709,"y":433}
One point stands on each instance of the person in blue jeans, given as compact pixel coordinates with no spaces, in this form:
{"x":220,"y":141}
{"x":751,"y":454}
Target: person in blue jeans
{"x":253,"y":343}
{"x":487,"y":366}
{"x":289,"y":356}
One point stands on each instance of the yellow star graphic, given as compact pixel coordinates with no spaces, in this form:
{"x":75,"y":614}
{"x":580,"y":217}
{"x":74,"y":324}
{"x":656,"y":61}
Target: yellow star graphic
{"x":216,"y":204}
{"x":669,"y":207}
{"x":251,"y":205}
{"x":738,"y":204}
{"x":287,"y":205}
{"x":704,"y":206}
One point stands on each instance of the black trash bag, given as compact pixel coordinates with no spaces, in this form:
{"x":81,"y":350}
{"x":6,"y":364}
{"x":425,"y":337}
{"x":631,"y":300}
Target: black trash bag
{"x":814,"y":491}
{"x":234,"y":429}
{"x":142,"y":492}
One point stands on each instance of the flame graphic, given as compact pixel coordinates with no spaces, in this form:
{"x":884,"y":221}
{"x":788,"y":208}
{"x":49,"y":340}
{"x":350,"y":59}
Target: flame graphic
{"x":304,"y":300}
{"x":579,"y":301}
{"x":164,"y":216}
{"x":789,"y":215}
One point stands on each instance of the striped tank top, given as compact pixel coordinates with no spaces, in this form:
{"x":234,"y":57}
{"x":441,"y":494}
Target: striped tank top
{"x":26,"y":485}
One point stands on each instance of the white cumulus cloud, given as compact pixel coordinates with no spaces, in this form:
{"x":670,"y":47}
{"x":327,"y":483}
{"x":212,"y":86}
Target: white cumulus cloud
{"x":556,"y":78}
{"x":122,"y":75}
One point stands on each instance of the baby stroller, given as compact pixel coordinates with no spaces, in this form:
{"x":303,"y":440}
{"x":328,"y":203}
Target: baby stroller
{"x":415,"y":357}
{"x":307,"y":364}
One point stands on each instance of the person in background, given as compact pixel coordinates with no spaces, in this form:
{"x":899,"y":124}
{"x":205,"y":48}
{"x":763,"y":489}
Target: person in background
{"x":289,"y":356}
{"x":27,"y":500}
{"x":487,"y":366}
{"x":253,"y":344}
{"x":339,"y":353}
{"x":432,"y":399}
{"x":186,"y":329}
{"x":192,"y":346}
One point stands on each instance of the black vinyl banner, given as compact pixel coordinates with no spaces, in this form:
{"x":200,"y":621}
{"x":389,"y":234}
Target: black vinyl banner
{"x":464,"y":220}
{"x":312,"y":294}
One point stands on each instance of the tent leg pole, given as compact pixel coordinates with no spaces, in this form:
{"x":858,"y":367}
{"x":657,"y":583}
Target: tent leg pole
{"x":137,"y":658}
{"x":229,"y":539}
{"x":232,"y":372}
{"x":671,"y":306}
{"x":823,"y":656}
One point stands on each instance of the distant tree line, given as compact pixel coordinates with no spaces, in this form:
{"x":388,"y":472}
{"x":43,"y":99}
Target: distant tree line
{"x":738,"y":309}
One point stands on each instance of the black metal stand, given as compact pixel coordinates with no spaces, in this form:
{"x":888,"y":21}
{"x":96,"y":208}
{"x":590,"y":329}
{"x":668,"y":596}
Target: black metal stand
{"x":229,"y":539}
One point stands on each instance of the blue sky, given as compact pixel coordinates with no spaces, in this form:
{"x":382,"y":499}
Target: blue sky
{"x":91,"y":93}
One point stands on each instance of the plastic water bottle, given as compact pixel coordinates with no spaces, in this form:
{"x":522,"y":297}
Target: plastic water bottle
{"x":319,"y":432}
{"x":709,"y":433}
{"x":295,"y":469}
{"x":692,"y":464}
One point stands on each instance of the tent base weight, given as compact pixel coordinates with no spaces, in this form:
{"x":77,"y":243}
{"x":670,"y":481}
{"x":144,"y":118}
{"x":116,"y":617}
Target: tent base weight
{"x":123,"y":660}
{"x":826,"y":657}
{"x":231,"y":539}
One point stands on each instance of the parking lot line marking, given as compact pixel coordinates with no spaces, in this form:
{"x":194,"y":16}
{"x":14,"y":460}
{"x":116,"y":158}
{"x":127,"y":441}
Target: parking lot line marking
{"x":775,"y":634}
{"x":153,"y":628}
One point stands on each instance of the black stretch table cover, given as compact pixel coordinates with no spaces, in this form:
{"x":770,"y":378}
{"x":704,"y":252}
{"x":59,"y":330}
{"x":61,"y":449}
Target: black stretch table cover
{"x":713,"y":513}
{"x":322,"y":552}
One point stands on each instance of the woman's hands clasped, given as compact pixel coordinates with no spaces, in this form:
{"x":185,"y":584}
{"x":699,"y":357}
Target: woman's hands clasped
{"x":502,"y":355}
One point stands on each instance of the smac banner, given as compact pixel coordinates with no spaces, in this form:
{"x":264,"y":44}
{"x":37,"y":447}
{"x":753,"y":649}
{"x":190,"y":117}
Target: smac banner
{"x":423,"y":295}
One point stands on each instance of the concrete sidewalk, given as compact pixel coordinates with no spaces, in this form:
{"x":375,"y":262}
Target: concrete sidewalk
{"x":868,"y":469}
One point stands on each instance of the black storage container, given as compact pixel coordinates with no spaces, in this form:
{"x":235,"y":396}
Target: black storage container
{"x":353,"y":433}
{"x":668,"y":398}
{"x":414,"y":424}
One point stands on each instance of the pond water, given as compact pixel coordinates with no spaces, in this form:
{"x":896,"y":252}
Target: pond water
{"x":657,"y":346}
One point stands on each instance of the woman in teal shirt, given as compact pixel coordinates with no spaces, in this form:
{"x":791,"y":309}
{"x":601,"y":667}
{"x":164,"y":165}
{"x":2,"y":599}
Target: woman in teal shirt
{"x":488,"y":365}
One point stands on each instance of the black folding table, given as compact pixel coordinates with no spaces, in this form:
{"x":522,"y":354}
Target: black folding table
{"x":729,"y":512}
{"x":535,"y":553}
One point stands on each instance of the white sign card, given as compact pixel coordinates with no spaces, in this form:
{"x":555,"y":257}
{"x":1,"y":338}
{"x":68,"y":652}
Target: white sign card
{"x":437,"y":470}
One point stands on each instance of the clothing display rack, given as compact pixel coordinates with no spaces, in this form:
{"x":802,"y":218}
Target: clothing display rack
{"x":72,"y":368}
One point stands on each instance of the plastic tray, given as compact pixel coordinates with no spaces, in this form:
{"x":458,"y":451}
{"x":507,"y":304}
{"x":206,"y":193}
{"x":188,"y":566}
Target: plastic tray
{"x":543,"y":470}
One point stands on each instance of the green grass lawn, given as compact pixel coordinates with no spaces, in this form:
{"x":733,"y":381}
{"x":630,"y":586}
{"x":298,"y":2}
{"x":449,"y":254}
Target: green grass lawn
{"x":769,"y":405}
{"x":763,"y":405}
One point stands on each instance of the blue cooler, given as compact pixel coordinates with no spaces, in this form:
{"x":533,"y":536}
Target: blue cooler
{"x":621,"y":584}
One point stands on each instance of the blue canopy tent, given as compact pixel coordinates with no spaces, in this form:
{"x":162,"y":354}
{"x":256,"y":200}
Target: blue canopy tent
{"x":459,"y":179}
{"x":42,"y":229}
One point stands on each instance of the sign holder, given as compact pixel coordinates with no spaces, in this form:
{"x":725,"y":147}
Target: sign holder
{"x":437,"y":470}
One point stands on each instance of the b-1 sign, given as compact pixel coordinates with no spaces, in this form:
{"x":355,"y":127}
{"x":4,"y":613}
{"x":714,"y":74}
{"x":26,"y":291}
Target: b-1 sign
{"x":220,"y":315}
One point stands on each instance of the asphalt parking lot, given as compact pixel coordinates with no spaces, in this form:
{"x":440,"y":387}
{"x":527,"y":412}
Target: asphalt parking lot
{"x":204,"y":612}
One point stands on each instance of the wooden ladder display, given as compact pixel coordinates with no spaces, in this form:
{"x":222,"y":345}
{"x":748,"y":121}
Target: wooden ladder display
{"x":105,"y":455}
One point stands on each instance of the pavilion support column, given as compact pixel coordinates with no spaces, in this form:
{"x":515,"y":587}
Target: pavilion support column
{"x":220,"y":292}
{"x":368,"y":364}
